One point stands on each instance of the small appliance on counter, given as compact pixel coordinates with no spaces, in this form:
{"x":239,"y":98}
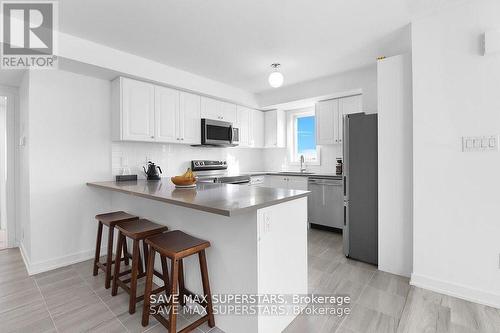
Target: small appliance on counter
{"x":338,"y":167}
{"x":152,"y":171}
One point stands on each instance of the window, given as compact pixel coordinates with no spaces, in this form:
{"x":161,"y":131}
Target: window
{"x":303,"y":139}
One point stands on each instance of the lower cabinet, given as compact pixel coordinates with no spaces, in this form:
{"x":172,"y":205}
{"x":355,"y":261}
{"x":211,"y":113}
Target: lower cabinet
{"x":288,"y":182}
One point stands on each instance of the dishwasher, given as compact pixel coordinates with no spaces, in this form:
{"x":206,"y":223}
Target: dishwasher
{"x":326,"y":202}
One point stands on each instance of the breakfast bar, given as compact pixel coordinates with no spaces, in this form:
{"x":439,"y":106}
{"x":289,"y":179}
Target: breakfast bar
{"x":258,"y":239}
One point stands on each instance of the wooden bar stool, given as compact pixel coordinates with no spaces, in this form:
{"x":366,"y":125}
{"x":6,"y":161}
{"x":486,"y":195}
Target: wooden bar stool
{"x":110,"y":220}
{"x":137,"y":230}
{"x":177,"y":245}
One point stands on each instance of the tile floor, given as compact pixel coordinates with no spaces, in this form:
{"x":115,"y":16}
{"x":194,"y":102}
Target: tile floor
{"x":70,"y":299}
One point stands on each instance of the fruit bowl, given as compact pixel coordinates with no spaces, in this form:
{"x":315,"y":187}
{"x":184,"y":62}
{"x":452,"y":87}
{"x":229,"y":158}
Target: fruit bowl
{"x":187,"y":179}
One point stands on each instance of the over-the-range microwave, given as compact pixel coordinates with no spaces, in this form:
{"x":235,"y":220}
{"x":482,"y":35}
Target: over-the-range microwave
{"x":218,"y":133}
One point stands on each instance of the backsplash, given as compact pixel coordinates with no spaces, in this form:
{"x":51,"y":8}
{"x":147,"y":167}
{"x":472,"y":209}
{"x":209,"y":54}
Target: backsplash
{"x":174,"y":159}
{"x":276,"y":159}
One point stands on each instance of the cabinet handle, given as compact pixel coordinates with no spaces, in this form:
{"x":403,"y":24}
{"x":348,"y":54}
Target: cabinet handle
{"x":152,"y":136}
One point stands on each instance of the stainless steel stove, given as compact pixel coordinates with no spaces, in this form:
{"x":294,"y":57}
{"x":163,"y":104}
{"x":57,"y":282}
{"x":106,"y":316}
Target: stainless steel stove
{"x":216,"y":172}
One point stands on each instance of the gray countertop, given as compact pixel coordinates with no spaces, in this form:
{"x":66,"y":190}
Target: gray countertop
{"x":222,"y":199}
{"x":292,"y":174}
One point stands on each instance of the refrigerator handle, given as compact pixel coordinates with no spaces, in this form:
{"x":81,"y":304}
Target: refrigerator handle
{"x":345,"y":213}
{"x":345,"y":186}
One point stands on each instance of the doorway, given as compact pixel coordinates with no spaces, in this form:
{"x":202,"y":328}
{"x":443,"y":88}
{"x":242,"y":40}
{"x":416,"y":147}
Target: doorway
{"x":7,"y":168}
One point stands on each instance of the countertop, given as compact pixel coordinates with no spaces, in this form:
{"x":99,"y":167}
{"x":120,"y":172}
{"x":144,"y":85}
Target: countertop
{"x":292,"y":174}
{"x":222,"y":199}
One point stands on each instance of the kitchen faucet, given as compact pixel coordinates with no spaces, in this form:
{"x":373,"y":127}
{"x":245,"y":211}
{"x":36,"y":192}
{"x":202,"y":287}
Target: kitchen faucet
{"x":302,"y":163}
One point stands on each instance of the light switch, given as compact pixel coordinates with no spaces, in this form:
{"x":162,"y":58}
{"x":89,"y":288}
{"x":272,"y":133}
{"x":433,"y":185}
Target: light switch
{"x":480,"y":143}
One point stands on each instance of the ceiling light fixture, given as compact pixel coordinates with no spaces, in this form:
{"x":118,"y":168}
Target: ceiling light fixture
{"x":276,"y":78}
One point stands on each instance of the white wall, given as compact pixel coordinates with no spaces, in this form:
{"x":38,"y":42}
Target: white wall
{"x":126,"y":64}
{"x":363,"y":78}
{"x":456,"y":214}
{"x":22,"y":184}
{"x":395,"y":190}
{"x":3,"y":162}
{"x":69,"y":144}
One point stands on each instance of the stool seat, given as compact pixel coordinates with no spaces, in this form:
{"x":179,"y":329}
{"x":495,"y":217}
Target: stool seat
{"x":177,"y":244}
{"x":111,"y":219}
{"x":140,"y":229}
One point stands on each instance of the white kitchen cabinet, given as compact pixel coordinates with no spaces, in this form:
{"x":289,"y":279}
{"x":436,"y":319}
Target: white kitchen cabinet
{"x":229,"y":112}
{"x":243,"y":124}
{"x":218,"y":110}
{"x":166,"y":115}
{"x":287,"y":182}
{"x":150,"y":113}
{"x":297,"y":183}
{"x":189,"y":118}
{"x":133,"y":110}
{"x":274,"y":124}
{"x":326,"y":122}
{"x":330,"y":118}
{"x":256,"y":129}
{"x":347,"y":105}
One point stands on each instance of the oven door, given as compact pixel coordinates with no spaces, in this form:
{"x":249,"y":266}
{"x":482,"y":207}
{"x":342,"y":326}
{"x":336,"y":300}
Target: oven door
{"x":214,"y":132}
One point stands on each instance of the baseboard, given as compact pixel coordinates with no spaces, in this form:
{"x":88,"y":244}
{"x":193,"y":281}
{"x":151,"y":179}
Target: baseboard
{"x":48,"y":265}
{"x":25,"y":257}
{"x":393,"y":271}
{"x":456,"y":290}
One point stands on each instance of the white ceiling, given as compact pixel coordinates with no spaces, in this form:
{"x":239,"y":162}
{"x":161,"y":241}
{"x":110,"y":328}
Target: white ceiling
{"x":235,"y":41}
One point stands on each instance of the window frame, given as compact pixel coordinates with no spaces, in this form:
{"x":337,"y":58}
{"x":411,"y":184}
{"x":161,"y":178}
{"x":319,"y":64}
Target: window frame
{"x":292,"y":137}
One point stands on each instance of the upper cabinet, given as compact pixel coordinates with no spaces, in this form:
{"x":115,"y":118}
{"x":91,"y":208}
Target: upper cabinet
{"x":256,"y":123}
{"x":190,"y":118}
{"x":218,"y":110}
{"x":330,"y":118}
{"x":133,"y":110}
{"x":243,"y":124}
{"x":145,"y":112}
{"x":274,"y":136}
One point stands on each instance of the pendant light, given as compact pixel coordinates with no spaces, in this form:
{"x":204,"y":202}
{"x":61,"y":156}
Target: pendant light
{"x":276,"y":78}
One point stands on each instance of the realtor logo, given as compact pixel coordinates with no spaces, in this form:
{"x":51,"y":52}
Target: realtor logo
{"x":28,"y":34}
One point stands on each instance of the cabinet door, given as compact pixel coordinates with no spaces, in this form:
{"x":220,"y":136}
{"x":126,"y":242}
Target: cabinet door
{"x":166,"y":115}
{"x":138,"y":110}
{"x":297,"y":183}
{"x":347,"y":105}
{"x":271,"y":129}
{"x":276,"y":181}
{"x":190,"y":118}
{"x":326,"y":121}
{"x":243,"y":115}
{"x":229,"y":112}
{"x":211,"y":108}
{"x":256,"y":129}
{"x":351,"y":104}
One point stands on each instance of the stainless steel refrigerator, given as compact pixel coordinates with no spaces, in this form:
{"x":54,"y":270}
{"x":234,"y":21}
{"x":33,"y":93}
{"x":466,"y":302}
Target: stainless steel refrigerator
{"x":360,"y":232}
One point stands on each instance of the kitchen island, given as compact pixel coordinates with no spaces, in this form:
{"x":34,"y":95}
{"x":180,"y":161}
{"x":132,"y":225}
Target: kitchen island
{"x":258,"y":240}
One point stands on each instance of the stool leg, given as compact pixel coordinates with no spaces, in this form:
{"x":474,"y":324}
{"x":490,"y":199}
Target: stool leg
{"x":109,"y":260}
{"x":125,"y":251}
{"x":149,"y":286}
{"x":119,"y":246}
{"x":206,"y":287}
{"x":133,"y":278}
{"x":145,"y":251}
{"x":173,"y":292}
{"x":181,"y":283}
{"x":164,"y":270}
{"x":97,"y":248}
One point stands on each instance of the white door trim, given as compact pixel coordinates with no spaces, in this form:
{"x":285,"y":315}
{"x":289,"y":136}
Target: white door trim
{"x":12,"y":108}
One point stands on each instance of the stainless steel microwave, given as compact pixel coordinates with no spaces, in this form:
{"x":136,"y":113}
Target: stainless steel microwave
{"x":218,"y":133}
